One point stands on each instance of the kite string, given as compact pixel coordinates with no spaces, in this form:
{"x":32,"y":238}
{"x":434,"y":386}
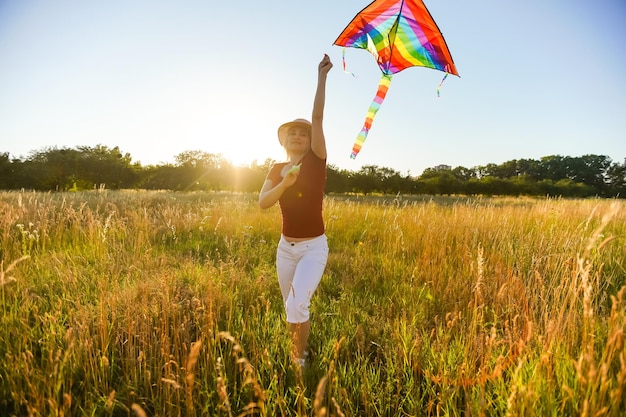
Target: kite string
{"x":441,"y":83}
{"x":383,"y":87}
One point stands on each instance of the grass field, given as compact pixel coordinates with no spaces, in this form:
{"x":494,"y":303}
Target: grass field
{"x":162,"y":303}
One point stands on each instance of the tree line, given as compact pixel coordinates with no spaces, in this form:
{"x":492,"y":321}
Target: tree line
{"x":85,"y":168}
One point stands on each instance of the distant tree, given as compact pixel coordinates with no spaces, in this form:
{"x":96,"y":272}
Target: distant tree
{"x":52,"y":169}
{"x":590,"y":170}
{"x":250,"y":178}
{"x":524,"y":184}
{"x":417,"y":186}
{"x":5,"y":171}
{"x":337,"y":180}
{"x":463,"y":174}
{"x":529,"y":168}
{"x":547,"y":188}
{"x":571,"y":188}
{"x":489,"y":170}
{"x":473,"y":187}
{"x":553,"y":167}
{"x":103,"y":166}
{"x":372,"y":178}
{"x":26,"y":174}
{"x":445,"y":183}
{"x":160,"y":177}
{"x":404,"y":184}
{"x":365,"y":180}
{"x":429,"y":173}
{"x":389,"y":180}
{"x":507,"y":169}
{"x":199,"y":170}
{"x":616,"y":180}
{"x":494,"y":186}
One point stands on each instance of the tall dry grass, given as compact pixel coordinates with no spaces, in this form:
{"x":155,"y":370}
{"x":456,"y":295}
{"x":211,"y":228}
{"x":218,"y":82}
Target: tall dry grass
{"x":123,"y":303}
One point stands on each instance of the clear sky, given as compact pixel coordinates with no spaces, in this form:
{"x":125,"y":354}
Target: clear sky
{"x":156,"y":78}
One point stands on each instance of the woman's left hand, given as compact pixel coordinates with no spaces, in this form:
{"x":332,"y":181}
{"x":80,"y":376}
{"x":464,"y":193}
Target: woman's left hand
{"x":325,"y":65}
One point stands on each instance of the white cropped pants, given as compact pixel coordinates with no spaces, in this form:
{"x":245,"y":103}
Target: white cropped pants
{"x":300,"y":266}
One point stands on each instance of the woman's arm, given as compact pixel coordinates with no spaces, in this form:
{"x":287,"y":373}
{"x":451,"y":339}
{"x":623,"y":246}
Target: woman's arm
{"x":270,"y":194}
{"x":318,"y":142}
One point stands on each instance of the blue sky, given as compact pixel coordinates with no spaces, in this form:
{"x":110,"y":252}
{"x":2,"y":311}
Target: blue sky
{"x":157,"y":78}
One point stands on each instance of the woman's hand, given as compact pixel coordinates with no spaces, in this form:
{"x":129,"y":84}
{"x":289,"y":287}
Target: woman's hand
{"x":291,"y":175}
{"x":325,"y":65}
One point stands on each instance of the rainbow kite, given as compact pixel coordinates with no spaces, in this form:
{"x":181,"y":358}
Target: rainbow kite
{"x":399,"y":34}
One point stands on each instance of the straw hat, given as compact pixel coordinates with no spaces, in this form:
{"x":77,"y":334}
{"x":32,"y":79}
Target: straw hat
{"x":284,"y":128}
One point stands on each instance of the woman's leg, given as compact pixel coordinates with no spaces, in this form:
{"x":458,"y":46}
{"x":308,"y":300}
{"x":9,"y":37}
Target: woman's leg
{"x":286,"y":264}
{"x":306,"y":278}
{"x":299,"y":338}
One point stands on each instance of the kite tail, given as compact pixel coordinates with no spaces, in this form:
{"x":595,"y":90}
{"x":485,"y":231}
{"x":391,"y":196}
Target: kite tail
{"x":383,"y":86}
{"x":343,"y":59}
{"x":441,"y":83}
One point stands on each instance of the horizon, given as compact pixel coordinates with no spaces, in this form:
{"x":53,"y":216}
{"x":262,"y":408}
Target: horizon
{"x":250,"y":164}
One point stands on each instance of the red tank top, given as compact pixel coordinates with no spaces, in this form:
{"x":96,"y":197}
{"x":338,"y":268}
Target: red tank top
{"x":301,"y":204}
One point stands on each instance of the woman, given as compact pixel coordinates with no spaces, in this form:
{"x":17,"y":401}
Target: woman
{"x":298,"y":187}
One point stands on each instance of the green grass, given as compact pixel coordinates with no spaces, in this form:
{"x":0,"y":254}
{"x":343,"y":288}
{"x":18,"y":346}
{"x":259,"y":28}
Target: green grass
{"x":162,"y":303}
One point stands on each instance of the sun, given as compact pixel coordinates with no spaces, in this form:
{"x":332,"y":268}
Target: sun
{"x":241,"y":146}
{"x":237,"y":124}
